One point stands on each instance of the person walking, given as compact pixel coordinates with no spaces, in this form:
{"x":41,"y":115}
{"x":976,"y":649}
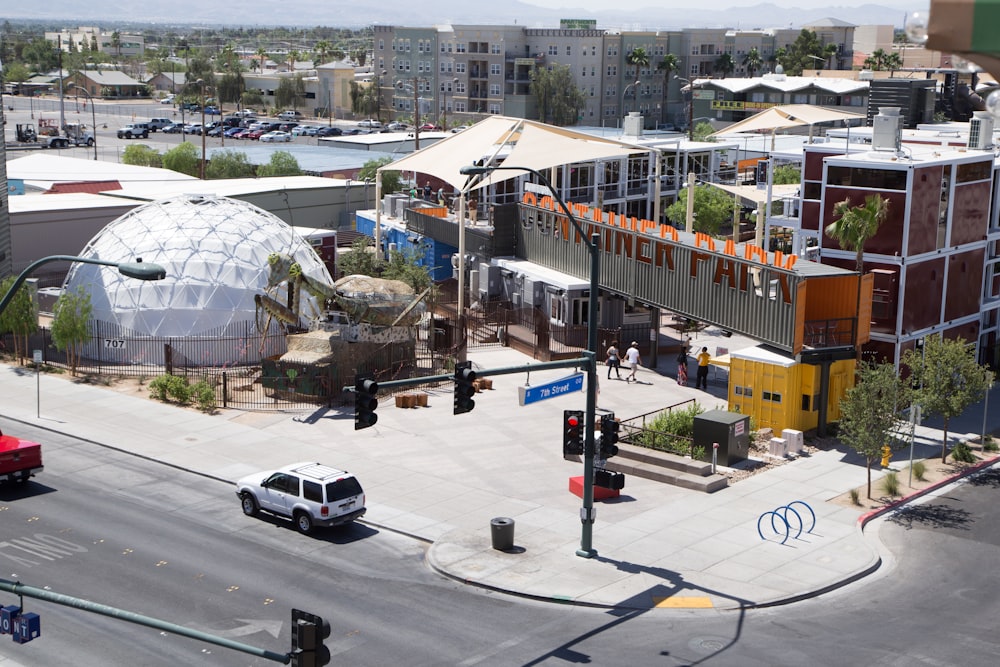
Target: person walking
{"x":633,"y":359}
{"x":682,"y":367}
{"x":614,"y":360}
{"x":702,"y":380}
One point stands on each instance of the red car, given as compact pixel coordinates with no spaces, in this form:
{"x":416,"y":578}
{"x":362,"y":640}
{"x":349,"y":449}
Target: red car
{"x":428,"y":127}
{"x":255,"y":134}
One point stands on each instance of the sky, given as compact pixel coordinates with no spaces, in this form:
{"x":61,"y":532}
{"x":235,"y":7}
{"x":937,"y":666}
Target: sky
{"x":602,"y":5}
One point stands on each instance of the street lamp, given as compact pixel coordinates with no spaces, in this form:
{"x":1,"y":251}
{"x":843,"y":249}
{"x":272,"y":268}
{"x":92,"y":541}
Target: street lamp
{"x":635,"y":85}
{"x":444,"y":111}
{"x":93,"y":114}
{"x":201,"y":165}
{"x":587,"y":513}
{"x":138,"y":269}
{"x":816,"y":58}
{"x":416,"y":109}
{"x":690,"y":86}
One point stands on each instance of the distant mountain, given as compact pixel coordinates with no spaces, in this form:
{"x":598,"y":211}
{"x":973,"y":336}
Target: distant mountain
{"x":408,"y":13}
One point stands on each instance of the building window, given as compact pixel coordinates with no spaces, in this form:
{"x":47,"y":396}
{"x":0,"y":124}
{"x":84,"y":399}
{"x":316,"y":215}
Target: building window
{"x":612,"y":70}
{"x":460,"y":47}
{"x":569,"y":50}
{"x":495,"y":49}
{"x":494,"y":90}
{"x":494,"y":109}
{"x":553,"y":50}
{"x":460,"y":68}
{"x":495,"y":69}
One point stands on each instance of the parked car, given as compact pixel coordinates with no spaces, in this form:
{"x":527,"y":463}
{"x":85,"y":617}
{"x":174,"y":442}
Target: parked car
{"x":194,"y":128}
{"x":275,"y":137}
{"x":370,"y":124}
{"x":133,"y":130}
{"x":290,"y":115}
{"x":311,"y":494}
{"x":329,"y":132}
{"x":212,"y":111}
{"x":217,"y":131}
{"x":241,"y":133}
{"x":169,"y":99}
{"x":352,"y":130}
{"x":301,"y":130}
{"x":245,"y":113}
{"x":311,"y":130}
{"x":288,"y":127}
{"x":155,"y":124}
{"x":253,"y":134}
{"x":428,"y":127}
{"x":396,"y":126}
{"x":233,"y":131}
{"x":176,"y":128}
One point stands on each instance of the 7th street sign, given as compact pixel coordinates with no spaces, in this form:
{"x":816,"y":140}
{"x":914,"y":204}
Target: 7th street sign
{"x":566,"y":385}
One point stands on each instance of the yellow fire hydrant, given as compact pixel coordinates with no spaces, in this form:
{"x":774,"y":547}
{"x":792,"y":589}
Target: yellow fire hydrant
{"x":886,"y":455}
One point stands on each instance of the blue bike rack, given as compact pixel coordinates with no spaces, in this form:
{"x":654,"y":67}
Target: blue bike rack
{"x":781,"y":513}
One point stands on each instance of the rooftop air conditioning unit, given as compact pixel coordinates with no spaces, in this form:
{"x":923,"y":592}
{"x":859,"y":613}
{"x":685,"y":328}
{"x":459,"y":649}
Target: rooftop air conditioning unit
{"x":981,"y":131}
{"x":887,"y":129}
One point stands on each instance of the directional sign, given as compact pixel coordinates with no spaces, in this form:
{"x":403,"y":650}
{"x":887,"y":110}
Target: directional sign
{"x":527,"y":395}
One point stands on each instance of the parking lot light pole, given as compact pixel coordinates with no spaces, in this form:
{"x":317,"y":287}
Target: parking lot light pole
{"x":201,"y":165}
{"x":587,"y":512}
{"x":138,"y":269}
{"x":93,"y":114}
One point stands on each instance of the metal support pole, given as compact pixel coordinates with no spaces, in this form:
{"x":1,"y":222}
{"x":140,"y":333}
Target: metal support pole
{"x":689,"y":220}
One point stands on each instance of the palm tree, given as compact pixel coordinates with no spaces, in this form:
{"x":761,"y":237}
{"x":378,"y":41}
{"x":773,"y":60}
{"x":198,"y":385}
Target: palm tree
{"x":261,"y":58}
{"x":893,"y":61}
{"x":876,"y":60}
{"x":116,"y":41}
{"x":667,"y":66}
{"x":854,"y":226}
{"x":638,"y":59}
{"x":725,"y":64}
{"x":323,"y":49}
{"x":293,"y":57}
{"x":753,"y":62}
{"x":829,"y":51}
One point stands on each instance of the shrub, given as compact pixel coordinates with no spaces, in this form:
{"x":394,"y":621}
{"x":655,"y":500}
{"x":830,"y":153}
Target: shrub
{"x":855,"y":497}
{"x":989,"y":444}
{"x":670,"y":431}
{"x":919,"y":470}
{"x":891,"y":484}
{"x":962,"y":453}
{"x":170,"y":388}
{"x":204,"y":396}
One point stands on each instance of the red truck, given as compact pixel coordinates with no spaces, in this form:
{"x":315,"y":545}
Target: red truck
{"x":19,"y":459}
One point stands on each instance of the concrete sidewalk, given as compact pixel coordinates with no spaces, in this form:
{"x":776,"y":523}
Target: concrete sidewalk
{"x":442,"y":478}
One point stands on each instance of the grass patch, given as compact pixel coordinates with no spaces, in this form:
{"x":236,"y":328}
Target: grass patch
{"x":919,"y":470}
{"x":890,"y":484}
{"x":855,"y":497}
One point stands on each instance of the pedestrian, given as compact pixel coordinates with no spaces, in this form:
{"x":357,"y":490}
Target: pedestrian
{"x":614,"y":360}
{"x":633,"y":359}
{"x":427,"y":190}
{"x":682,"y":367}
{"x":441,"y":198}
{"x":413,"y":192}
{"x":702,"y":379}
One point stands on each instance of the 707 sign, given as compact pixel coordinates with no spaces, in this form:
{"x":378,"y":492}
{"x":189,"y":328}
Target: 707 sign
{"x":114,"y":343}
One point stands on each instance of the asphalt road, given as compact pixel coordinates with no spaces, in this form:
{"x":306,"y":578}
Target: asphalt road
{"x":141,"y":536}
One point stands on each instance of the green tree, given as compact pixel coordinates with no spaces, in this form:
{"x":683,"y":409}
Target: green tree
{"x":752,"y":62}
{"x":852,"y":229}
{"x":360,"y":260}
{"x":282,"y":163}
{"x":391,"y":179}
{"x":141,"y":155}
{"x":638,"y":59}
{"x":15,"y":73}
{"x":364,"y":98}
{"x":20,"y":318}
{"x":298,"y":91}
{"x":876,"y":61}
{"x":41,"y":54}
{"x":116,"y":44}
{"x":261,"y":58}
{"x":284,"y":94}
{"x":322,"y":50}
{"x":232,"y":86}
{"x":725,"y":65}
{"x":183,"y":158}
{"x":403,"y":266}
{"x":702,"y":132}
{"x":868,"y":412}
{"x":557,"y":96}
{"x":802,"y":54}
{"x":946,"y":378}
{"x":229,"y":164}
{"x":829,"y":55}
{"x":712,"y":208}
{"x":893,"y":61}
{"x":360,"y":56}
{"x":787,"y":174}
{"x":70,"y":330}
{"x":666,"y":68}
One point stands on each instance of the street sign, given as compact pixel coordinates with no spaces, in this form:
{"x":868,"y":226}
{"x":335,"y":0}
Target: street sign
{"x":571,"y":383}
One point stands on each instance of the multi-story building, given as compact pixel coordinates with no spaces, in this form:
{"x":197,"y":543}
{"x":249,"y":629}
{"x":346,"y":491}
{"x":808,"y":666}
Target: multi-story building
{"x":86,"y":38}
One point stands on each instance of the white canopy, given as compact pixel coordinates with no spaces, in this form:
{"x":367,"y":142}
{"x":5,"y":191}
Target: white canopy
{"x":525,"y":143}
{"x":789,"y":115}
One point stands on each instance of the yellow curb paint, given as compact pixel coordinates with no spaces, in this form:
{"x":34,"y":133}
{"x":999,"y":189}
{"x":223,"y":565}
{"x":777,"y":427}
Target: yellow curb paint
{"x":683,"y":603}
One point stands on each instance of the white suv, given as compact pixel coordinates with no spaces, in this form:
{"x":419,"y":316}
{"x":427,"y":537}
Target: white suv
{"x":310,"y":494}
{"x":370,"y":124}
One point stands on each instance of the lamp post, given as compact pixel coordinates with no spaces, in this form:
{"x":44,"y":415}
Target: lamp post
{"x":817,"y":58}
{"x":444,"y":110}
{"x":635,"y":85}
{"x":93,"y":115}
{"x":138,"y":269}
{"x":587,"y":513}
{"x":690,"y":86}
{"x":201,"y":165}
{"x":416,"y":109}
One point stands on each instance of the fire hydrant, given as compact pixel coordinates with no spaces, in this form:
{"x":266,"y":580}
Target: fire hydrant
{"x":886,"y":455}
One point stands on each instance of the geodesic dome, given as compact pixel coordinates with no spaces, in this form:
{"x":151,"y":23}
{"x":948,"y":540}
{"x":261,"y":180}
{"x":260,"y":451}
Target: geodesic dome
{"x":215,"y":251}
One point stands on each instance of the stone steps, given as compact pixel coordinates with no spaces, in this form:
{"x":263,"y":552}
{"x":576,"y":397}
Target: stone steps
{"x":667,"y":468}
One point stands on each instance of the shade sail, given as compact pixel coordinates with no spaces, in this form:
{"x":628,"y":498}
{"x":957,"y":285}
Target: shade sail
{"x":789,"y":115}
{"x":520,"y":142}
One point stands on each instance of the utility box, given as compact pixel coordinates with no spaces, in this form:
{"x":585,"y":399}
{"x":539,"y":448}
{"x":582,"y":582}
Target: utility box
{"x":730,"y":429}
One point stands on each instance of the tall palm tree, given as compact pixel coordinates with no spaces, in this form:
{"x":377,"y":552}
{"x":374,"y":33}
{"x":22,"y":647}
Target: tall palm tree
{"x":667,"y":67}
{"x":854,"y":226}
{"x":753,"y":62}
{"x":829,"y":52}
{"x":323,"y":49}
{"x":261,"y":58}
{"x":638,"y":59}
{"x":893,"y":61}
{"x":725,"y":64}
{"x":293,"y":57}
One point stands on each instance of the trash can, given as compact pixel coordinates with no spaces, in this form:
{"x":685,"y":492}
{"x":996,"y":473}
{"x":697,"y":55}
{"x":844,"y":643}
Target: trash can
{"x":502,"y":529}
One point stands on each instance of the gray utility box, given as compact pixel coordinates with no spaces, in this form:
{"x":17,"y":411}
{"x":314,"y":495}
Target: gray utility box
{"x":730,"y":429}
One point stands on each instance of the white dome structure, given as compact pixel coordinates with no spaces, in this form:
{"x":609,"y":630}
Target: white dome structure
{"x":215,"y":251}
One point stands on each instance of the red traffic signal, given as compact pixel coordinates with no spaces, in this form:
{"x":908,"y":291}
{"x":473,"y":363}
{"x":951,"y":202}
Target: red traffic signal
{"x":572,"y":432}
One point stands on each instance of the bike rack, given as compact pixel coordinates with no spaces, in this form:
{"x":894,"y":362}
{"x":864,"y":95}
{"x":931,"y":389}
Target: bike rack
{"x":782,"y":514}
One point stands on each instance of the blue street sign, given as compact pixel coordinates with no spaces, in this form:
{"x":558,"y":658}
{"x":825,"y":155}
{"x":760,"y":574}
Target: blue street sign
{"x":526,"y":395}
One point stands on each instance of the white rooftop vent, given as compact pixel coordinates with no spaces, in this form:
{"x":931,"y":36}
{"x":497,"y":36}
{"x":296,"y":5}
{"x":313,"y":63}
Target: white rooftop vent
{"x":633,"y":124}
{"x":887,"y":129}
{"x":981,"y":131}
{"x":866,"y":75}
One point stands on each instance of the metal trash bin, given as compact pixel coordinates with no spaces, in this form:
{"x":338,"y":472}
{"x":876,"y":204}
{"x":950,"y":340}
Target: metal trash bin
{"x":502,"y":529}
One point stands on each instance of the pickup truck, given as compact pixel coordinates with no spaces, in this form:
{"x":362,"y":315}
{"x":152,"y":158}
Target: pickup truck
{"x":19,"y":459}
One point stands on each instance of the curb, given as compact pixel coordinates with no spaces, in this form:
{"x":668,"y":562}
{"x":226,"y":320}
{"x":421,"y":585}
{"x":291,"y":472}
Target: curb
{"x":864,"y":519}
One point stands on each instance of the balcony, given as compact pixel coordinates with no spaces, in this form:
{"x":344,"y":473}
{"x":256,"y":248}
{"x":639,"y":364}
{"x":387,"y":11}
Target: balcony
{"x":829,"y":333}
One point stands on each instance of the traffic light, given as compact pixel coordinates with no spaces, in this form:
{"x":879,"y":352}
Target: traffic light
{"x":464,"y":389}
{"x":609,"y":436}
{"x":308,"y":633}
{"x":365,"y":402}
{"x":572,"y":432}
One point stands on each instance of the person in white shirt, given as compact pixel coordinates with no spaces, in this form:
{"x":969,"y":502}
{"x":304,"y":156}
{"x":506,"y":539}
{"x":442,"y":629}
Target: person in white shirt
{"x":632,"y":359}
